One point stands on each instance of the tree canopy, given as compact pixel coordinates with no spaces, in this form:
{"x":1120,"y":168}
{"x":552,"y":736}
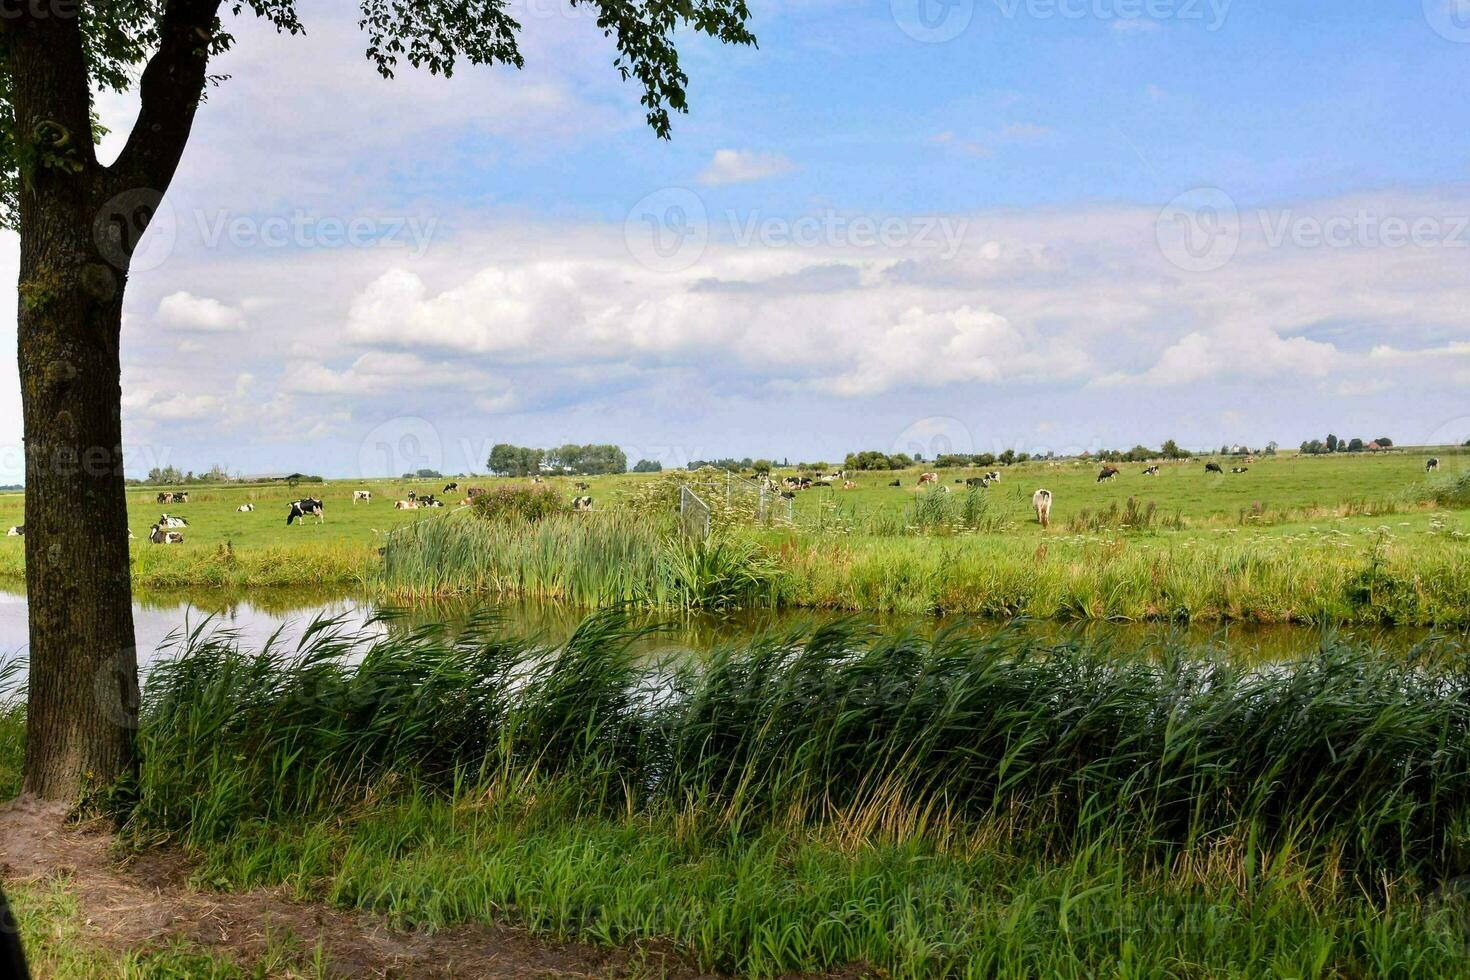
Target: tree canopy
{"x":173,"y":40}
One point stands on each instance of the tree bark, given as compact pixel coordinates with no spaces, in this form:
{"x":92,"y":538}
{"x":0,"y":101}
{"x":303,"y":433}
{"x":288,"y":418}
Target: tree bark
{"x":79,"y":224}
{"x":83,"y":688}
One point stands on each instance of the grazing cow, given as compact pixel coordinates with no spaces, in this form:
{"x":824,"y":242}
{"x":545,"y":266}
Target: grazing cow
{"x":244,"y":508}
{"x":182,"y":497}
{"x":16,"y":532}
{"x":582,"y":485}
{"x":1152,"y":470}
{"x":406,"y":505}
{"x":157,"y":535}
{"x":928,"y":478}
{"x":1041,"y":500}
{"x":1239,"y":469}
{"x":580,"y":504}
{"x":167,"y":521}
{"x":977,"y":481}
{"x":1213,"y":468}
{"x":1432,"y":466}
{"x":993,"y":476}
{"x":474,"y":492}
{"x":303,"y":507}
{"x":896,"y":483}
{"x":449,"y":486}
{"x":788,"y":494}
{"x":1108,"y":472}
{"x":364,"y":495}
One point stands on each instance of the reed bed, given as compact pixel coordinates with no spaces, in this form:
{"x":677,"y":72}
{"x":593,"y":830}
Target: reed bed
{"x":1318,"y":576}
{"x":954,"y":805}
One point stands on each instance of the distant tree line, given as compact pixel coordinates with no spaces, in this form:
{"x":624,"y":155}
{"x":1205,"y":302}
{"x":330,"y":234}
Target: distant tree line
{"x":593,"y":459}
{"x":648,"y":466}
{"x":874,"y":460}
{"x":173,"y":476}
{"x":727,"y":463}
{"x":1332,"y":444}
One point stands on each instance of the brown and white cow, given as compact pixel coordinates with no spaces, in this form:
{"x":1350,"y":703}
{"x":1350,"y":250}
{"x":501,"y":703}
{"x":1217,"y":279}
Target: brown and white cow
{"x":1041,"y":501}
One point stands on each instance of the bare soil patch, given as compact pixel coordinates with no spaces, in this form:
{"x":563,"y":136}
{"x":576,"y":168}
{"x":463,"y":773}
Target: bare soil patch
{"x":147,"y":900}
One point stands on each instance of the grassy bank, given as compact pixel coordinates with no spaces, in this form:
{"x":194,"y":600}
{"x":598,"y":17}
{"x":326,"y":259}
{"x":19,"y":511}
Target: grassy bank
{"x":1366,"y":574}
{"x":956,"y":806}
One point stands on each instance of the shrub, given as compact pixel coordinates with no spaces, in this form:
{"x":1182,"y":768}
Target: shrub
{"x":524,"y":502}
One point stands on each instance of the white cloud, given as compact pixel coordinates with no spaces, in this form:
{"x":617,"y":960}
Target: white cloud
{"x":742,"y":166}
{"x":185,"y":311}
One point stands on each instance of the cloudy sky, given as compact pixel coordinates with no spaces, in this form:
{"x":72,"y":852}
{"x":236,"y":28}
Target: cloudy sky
{"x":898,"y":224}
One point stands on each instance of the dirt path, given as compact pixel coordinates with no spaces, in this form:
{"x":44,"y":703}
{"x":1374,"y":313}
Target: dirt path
{"x":148,"y":901}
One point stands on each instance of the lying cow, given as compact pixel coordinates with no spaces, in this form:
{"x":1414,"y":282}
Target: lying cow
{"x":301,"y":508}
{"x":474,"y":492}
{"x":406,"y":505}
{"x":928,"y":478}
{"x":366,"y":496}
{"x":157,"y":535}
{"x":244,"y":508}
{"x":978,"y":481}
{"x":582,"y":503}
{"x":849,"y":485}
{"x":896,"y":483}
{"x":1239,"y":469}
{"x":1432,"y":466}
{"x":1151,"y":471}
{"x":1108,"y":472}
{"x":1041,"y":500}
{"x":16,"y":532}
{"x":1213,"y":468}
{"x":166,"y":521}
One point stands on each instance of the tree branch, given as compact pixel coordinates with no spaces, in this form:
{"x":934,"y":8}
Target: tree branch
{"x":170,"y":90}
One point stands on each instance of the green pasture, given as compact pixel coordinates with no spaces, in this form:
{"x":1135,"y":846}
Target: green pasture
{"x":1285,"y":494}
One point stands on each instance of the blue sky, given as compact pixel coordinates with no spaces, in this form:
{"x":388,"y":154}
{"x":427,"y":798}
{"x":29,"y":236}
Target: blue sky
{"x":1054,"y":224}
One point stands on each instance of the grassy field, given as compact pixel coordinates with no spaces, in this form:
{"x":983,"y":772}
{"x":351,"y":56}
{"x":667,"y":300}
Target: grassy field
{"x":957,"y":806}
{"x":1296,"y":539}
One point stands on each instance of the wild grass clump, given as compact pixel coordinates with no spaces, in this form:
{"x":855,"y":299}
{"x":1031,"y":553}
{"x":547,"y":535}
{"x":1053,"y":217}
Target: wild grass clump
{"x":587,"y":559}
{"x":1346,"y":753}
{"x":960,"y":805}
{"x":1451,"y":492}
{"x":520,"y":502}
{"x":1133,"y":516}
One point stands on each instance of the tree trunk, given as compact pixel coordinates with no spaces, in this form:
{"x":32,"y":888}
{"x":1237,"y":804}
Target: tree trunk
{"x":81,"y":719}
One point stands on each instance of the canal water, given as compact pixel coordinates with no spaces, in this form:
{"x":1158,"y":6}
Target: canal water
{"x":160,"y":619}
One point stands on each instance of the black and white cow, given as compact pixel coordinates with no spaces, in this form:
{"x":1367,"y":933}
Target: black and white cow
{"x":157,"y":535}
{"x":244,"y":508}
{"x":1041,"y":501}
{"x":1239,"y":469}
{"x":1432,"y":466}
{"x":449,"y":486}
{"x":166,"y":521}
{"x":1213,"y":468}
{"x":303,"y":507}
{"x":366,"y":496}
{"x":583,"y":503}
{"x":1152,"y":470}
{"x":16,"y":532}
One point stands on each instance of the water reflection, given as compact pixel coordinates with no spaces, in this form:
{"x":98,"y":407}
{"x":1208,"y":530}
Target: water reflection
{"x":261,"y":613}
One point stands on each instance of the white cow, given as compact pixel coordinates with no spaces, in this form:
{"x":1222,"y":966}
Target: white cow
{"x":1041,"y":500}
{"x":17,"y":531}
{"x":363,"y":495}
